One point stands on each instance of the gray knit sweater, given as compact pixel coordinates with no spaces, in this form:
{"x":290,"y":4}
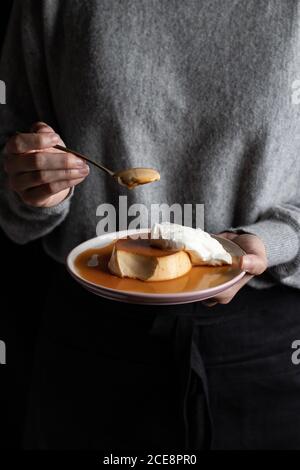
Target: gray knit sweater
{"x":200,"y":89}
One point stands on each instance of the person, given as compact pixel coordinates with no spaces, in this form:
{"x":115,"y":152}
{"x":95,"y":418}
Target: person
{"x":202,"y":91}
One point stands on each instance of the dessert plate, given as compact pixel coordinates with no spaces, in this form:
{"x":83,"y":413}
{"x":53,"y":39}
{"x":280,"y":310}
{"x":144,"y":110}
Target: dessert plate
{"x":87,"y":263}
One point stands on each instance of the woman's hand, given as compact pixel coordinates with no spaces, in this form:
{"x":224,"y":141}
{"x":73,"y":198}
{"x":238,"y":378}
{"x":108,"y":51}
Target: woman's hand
{"x":41,"y":175}
{"x":254,"y":263}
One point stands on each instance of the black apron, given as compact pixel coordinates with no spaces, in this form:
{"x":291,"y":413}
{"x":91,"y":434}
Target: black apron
{"x":115,"y":376}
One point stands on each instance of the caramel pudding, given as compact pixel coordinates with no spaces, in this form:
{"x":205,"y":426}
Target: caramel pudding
{"x":167,"y":252}
{"x":137,"y":259}
{"x":92,"y":266}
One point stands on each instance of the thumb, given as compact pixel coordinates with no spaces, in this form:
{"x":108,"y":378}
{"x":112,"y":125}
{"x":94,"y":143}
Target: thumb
{"x":253,"y":264}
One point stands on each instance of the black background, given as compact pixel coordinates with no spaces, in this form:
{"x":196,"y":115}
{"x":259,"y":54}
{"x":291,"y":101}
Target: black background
{"x":24,"y":276}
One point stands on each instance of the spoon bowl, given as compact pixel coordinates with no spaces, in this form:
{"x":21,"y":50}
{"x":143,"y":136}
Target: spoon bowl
{"x":134,"y":177}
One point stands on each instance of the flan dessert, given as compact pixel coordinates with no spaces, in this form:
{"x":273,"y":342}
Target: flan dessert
{"x":137,"y":259}
{"x":169,"y":251}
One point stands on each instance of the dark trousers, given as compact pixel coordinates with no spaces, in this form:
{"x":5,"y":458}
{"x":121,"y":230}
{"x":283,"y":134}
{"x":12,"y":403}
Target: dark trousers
{"x":114,"y":376}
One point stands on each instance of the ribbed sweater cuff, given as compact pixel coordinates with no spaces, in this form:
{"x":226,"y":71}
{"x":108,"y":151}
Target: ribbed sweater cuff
{"x":282,"y":243}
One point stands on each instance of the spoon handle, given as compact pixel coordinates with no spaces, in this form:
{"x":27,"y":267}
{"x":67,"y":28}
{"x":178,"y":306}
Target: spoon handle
{"x":101,"y":167}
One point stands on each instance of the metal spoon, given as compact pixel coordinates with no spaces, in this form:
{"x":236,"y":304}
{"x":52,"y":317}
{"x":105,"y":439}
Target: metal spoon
{"x":129,"y":178}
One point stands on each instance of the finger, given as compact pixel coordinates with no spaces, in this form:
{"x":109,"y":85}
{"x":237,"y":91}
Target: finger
{"x":23,"y":181}
{"x":226,"y":296}
{"x":22,"y":143}
{"x":41,"y":127}
{"x":40,"y":161}
{"x":38,"y":195}
{"x":253,"y":264}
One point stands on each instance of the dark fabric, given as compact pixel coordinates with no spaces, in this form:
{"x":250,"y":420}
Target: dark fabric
{"x":120,"y":376}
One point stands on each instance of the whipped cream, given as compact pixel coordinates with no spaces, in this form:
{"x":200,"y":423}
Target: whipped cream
{"x":201,"y":247}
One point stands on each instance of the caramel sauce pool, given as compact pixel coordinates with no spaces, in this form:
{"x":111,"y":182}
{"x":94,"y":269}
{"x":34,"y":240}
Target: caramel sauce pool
{"x":92,"y":266}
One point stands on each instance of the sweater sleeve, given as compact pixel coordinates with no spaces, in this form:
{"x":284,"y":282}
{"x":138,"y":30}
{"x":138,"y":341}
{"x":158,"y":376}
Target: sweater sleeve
{"x":279,"y":229}
{"x":28,"y":99}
